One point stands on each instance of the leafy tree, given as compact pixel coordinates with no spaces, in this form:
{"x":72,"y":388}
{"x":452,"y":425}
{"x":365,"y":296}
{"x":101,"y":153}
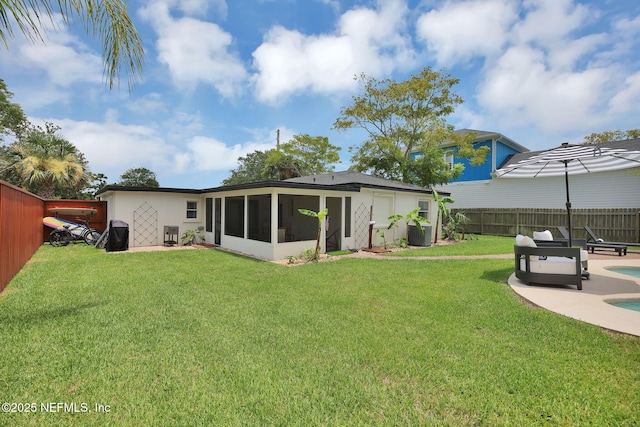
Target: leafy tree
{"x":138,"y":177}
{"x":46,"y":164}
{"x":611,"y":135}
{"x":281,"y":166}
{"x":314,"y":154}
{"x":250,"y":169}
{"x":303,"y":155}
{"x":13,"y":121}
{"x":405,"y":123}
{"x":107,"y":20}
{"x":96,"y":182}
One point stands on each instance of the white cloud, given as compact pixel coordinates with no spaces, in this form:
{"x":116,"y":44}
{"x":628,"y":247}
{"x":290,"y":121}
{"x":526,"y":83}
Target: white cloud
{"x":550,"y":21}
{"x":209,"y":154}
{"x":65,"y":64}
{"x":112,"y":147}
{"x":460,"y":31}
{"x":196,"y":51}
{"x":628,"y":99}
{"x":366,"y":40}
{"x":548,"y":65}
{"x":147,"y":104}
{"x":522,"y":90}
{"x":60,"y":62}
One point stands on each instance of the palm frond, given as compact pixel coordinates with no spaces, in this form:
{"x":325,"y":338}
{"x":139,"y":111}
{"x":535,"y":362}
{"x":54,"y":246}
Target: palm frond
{"x":107,"y":20}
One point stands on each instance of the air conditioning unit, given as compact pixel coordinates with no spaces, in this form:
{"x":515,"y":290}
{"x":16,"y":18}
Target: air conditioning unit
{"x":419,"y":239}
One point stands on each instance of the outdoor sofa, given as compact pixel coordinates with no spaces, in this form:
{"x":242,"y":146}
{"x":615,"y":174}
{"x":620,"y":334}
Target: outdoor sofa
{"x":548,"y":265}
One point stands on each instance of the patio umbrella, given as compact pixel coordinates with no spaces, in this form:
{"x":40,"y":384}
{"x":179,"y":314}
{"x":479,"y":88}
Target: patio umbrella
{"x":571,"y":159}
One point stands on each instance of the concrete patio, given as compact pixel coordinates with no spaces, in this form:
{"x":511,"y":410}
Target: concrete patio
{"x":590,"y":304}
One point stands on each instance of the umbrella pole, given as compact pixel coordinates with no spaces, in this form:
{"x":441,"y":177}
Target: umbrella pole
{"x":566,"y":183}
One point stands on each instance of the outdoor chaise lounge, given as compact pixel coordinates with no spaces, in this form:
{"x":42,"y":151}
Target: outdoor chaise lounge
{"x":593,"y":243}
{"x":547,"y":265}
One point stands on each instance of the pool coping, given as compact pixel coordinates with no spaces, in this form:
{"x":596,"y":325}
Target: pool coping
{"x":589,"y":305}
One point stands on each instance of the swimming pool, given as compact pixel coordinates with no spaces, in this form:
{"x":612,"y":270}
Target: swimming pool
{"x":629,"y":305}
{"x":629,"y":271}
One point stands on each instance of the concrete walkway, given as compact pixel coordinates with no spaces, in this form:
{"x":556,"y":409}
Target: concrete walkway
{"x":590,"y":304}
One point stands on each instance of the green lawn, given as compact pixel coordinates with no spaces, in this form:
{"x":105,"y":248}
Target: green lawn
{"x":203,"y":337}
{"x":478,"y":245}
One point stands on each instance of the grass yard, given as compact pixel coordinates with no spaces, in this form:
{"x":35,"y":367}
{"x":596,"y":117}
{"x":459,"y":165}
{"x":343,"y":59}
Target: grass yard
{"x":478,"y":245}
{"x":203,"y":337}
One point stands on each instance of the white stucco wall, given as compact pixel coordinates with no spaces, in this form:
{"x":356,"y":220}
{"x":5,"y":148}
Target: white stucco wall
{"x":386,"y":203}
{"x":138,"y":209}
{"x":170,"y":209}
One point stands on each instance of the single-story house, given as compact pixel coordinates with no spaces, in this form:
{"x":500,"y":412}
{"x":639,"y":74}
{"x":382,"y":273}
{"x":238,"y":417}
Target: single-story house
{"x":262,"y":218}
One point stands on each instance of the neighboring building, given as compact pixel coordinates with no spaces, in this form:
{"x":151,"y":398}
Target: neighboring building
{"x":614,"y":189}
{"x":262,"y":218}
{"x":500,"y":148}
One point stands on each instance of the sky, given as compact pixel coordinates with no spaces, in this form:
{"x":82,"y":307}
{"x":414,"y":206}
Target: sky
{"x":222,"y":77}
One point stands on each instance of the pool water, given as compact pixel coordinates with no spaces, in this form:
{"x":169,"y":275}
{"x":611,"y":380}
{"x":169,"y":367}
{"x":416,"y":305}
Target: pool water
{"x":629,"y":305}
{"x":629,"y":271}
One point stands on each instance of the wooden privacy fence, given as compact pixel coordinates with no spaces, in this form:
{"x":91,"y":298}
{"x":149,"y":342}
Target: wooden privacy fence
{"x":21,"y":229}
{"x":617,"y":225}
{"x":98,"y":220}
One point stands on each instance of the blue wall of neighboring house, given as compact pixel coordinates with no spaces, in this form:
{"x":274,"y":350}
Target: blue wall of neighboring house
{"x":483,"y":171}
{"x":475,"y":173}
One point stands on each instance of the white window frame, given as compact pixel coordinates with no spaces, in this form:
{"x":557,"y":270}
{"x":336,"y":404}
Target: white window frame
{"x":449,"y":158}
{"x":424,"y":213}
{"x":192,"y":210}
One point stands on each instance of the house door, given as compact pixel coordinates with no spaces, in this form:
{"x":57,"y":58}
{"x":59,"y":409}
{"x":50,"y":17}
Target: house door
{"x":217,"y":230}
{"x":334,"y":224}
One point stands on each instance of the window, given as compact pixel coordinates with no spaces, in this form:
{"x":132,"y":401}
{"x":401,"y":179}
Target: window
{"x":424,"y":208}
{"x":192,"y":210}
{"x":208,"y":214}
{"x":347,"y":217}
{"x":449,"y":159}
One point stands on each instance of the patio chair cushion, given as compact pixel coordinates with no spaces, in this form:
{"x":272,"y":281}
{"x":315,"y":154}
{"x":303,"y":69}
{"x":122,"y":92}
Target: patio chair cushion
{"x":584,"y":255}
{"x":542,"y":235}
{"x":525,"y":241}
{"x":550,"y":265}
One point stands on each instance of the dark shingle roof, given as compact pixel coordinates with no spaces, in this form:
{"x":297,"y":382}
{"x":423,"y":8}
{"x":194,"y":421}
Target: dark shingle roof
{"x":336,"y":181}
{"x":357,"y":179}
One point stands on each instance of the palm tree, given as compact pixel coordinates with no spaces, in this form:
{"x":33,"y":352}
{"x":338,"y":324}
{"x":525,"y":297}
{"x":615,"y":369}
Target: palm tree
{"x":45,"y":162}
{"x":105,"y":19}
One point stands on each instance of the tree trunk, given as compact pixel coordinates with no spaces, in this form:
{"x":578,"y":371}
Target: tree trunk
{"x":318,"y":240}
